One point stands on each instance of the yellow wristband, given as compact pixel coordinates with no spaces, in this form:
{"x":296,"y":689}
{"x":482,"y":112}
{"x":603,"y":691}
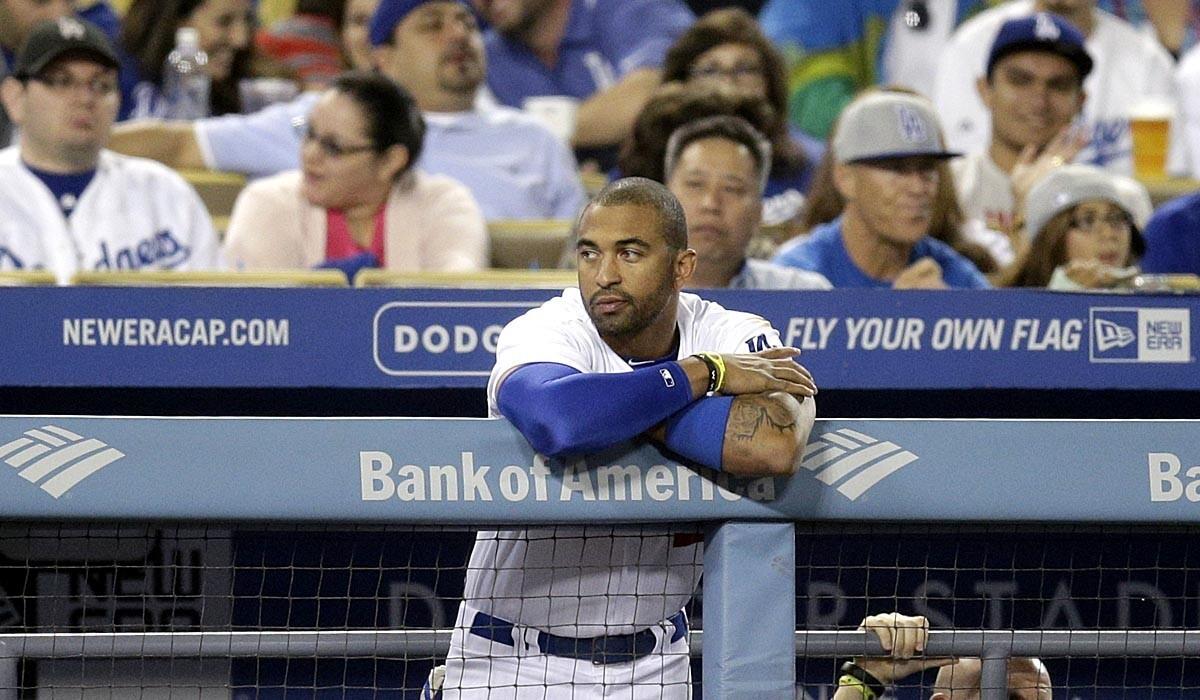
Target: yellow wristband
{"x":849,"y":681}
{"x":716,"y":367}
{"x":716,"y":370}
{"x":720,"y":371}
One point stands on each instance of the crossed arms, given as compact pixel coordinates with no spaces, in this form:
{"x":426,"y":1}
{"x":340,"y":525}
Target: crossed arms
{"x":757,"y":425}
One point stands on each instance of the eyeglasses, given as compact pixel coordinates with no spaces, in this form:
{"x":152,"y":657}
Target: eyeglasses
{"x":1090,"y":223}
{"x":63,"y":83}
{"x":330,"y":147}
{"x":737,"y":73}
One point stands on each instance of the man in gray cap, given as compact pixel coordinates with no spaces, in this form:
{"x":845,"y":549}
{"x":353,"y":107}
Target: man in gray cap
{"x":66,"y":203}
{"x":886,"y":149}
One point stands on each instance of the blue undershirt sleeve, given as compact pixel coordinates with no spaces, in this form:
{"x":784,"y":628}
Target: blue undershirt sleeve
{"x":563,"y":411}
{"x":697,"y":432}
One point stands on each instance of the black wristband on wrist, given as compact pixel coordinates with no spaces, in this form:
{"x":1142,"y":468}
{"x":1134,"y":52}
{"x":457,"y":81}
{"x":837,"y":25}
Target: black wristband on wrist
{"x":714,"y":373}
{"x":855,"y":671}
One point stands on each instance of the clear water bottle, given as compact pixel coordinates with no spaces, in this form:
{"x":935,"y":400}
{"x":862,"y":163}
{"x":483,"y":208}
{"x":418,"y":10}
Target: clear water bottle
{"x":186,"y":83}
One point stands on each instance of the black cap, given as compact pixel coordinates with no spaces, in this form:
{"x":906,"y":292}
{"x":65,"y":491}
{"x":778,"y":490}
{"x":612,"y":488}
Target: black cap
{"x":1043,"y":32}
{"x":54,"y":38}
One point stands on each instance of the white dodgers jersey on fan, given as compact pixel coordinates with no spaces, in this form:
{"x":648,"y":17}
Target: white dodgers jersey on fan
{"x":135,"y":214}
{"x":585,"y":582}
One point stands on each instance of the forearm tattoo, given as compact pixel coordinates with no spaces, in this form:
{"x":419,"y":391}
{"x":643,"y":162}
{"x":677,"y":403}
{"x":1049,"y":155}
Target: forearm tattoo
{"x":753,"y":415}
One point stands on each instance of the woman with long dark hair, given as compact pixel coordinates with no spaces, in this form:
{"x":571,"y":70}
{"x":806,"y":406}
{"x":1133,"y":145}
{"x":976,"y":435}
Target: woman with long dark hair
{"x":225,"y":29}
{"x":357,"y":200}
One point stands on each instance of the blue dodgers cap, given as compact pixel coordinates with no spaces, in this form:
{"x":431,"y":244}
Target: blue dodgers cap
{"x":389,"y":13}
{"x":1045,"y":32}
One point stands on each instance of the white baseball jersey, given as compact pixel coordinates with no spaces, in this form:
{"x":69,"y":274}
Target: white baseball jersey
{"x":1187,"y":85}
{"x":986,"y":196}
{"x":1129,"y":65}
{"x":135,"y":213}
{"x":585,"y":582}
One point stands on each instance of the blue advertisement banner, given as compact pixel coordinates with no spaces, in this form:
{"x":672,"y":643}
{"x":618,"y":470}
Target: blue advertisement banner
{"x":422,"y":338}
{"x":472,"y":471}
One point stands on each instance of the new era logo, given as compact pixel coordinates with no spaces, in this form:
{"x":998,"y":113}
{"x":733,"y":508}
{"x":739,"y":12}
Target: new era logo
{"x":856,"y":460}
{"x":1110,"y":335}
{"x":1147,"y":334}
{"x":57,"y":459}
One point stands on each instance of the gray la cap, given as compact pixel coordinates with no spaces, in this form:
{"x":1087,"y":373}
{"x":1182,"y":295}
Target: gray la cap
{"x":1063,"y":188}
{"x":888,"y":125}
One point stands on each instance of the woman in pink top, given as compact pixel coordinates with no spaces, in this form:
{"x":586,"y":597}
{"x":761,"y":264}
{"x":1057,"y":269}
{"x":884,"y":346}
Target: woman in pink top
{"x":357,"y":200}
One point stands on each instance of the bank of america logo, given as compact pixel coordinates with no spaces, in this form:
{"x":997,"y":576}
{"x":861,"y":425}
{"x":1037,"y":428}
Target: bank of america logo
{"x":1111,"y":335}
{"x":57,"y":459}
{"x":855,"y":459}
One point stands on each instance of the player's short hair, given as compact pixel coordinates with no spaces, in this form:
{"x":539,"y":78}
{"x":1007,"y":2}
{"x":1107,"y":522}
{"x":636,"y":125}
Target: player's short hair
{"x":726,"y":127}
{"x":643,"y":192}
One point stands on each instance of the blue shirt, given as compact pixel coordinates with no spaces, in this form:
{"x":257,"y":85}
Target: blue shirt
{"x":604,"y":40}
{"x":514,"y":166}
{"x":1173,"y":237}
{"x":140,"y":98}
{"x":65,"y":188}
{"x":825,"y":252}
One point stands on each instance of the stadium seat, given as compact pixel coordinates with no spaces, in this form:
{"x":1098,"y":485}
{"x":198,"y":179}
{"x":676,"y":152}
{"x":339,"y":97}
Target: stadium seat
{"x":524,"y":244}
{"x":22,"y":278}
{"x":1164,"y":190}
{"x":539,"y":279}
{"x":218,"y":190}
{"x":261,"y":278}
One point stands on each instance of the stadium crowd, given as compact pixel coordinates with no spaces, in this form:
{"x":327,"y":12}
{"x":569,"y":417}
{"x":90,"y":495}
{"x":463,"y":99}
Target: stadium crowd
{"x":963,"y":143}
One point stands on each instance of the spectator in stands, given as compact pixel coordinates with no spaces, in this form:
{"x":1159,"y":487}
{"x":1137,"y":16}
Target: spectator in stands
{"x":66,"y":203}
{"x":514,"y":167}
{"x":357,"y":202}
{"x":1033,"y":90}
{"x":904,"y":638}
{"x":1172,"y":243}
{"x":605,"y":53}
{"x":727,"y":47}
{"x":1187,"y":123}
{"x":1129,"y":66}
{"x":967,"y":237}
{"x":881,"y":155}
{"x":1084,"y":237}
{"x":307,"y":43}
{"x":835,"y":49}
{"x":717,"y":168}
{"x":674,"y":104}
{"x":225,"y":28}
{"x":17,"y":18}
{"x":356,"y":33}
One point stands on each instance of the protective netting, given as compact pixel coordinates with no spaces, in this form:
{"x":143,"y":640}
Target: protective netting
{"x":143,"y":580}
